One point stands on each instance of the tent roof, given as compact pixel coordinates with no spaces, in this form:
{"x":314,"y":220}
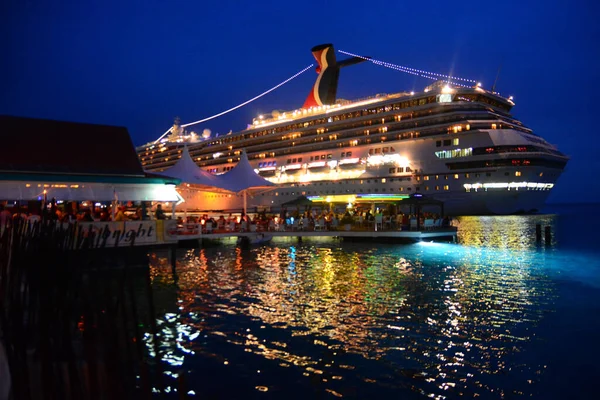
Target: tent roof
{"x":187,"y":171}
{"x":243,"y":177}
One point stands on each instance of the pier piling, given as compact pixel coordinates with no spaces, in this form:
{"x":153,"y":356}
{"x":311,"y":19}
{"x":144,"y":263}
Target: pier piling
{"x":548,"y":235}
{"x":173,"y":257}
{"x":538,"y":232}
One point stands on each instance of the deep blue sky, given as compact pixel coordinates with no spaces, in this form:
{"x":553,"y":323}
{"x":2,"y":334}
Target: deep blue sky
{"x":140,"y":63}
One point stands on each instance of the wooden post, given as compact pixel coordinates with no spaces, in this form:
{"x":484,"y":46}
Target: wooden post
{"x":538,"y":232}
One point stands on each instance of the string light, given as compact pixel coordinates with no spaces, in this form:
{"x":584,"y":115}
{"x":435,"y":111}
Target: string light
{"x":242,"y":104}
{"x":414,"y":71}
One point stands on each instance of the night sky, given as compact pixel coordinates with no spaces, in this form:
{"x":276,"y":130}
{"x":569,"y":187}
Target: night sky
{"x":141,"y":63}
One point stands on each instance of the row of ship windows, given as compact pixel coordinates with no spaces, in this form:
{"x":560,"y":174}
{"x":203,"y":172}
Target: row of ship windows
{"x":380,"y":150}
{"x":363,"y":141}
{"x":365,"y":112}
{"x":215,"y":170}
{"x":447,"y":142}
{"x":467,"y":175}
{"x":404,"y":135}
{"x":400,"y":170}
{"x":408,"y":179}
{"x":355,"y":191}
{"x":312,"y":158}
{"x":307,"y":140}
{"x":495,"y":150}
{"x":299,"y":159}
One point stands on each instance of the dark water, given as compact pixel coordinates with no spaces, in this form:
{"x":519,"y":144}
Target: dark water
{"x":496,"y":315}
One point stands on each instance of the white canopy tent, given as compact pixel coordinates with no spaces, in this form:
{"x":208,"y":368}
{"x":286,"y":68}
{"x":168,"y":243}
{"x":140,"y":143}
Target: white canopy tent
{"x":243,"y":178}
{"x":186,"y":170}
{"x":240,"y":179}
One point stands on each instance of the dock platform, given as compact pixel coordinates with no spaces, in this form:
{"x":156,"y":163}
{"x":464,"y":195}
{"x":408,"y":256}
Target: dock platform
{"x":411,"y":236}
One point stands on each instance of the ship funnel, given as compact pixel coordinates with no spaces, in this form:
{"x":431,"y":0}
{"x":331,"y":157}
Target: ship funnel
{"x":325,"y":88}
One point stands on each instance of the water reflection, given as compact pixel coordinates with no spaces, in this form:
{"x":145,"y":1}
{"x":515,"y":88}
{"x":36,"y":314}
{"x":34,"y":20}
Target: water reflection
{"x":358,"y":320}
{"x":516,"y":232}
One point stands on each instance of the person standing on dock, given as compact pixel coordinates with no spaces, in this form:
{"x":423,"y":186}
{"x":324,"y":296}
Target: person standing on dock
{"x":160,"y":214}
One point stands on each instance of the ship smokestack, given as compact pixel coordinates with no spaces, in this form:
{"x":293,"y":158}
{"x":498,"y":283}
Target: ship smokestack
{"x":325,"y":88}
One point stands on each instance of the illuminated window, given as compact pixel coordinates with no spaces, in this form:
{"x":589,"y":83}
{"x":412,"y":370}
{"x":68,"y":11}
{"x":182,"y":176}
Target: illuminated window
{"x":455,"y":176}
{"x":493,"y":126}
{"x":467,"y":175}
{"x":446,"y":187}
{"x":426,"y":178}
{"x":437,"y":187}
{"x":455,"y":141}
{"x":382,"y":180}
{"x":426,"y":188}
{"x":517,"y":173}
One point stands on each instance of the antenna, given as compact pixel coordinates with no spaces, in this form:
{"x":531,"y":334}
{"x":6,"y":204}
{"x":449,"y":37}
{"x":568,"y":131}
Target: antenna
{"x":496,"y":80}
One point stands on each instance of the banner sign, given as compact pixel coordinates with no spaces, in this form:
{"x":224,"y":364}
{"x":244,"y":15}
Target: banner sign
{"x":112,"y":234}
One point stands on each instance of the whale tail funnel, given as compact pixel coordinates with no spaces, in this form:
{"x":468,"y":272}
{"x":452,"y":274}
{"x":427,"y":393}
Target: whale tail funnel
{"x":324,"y":90}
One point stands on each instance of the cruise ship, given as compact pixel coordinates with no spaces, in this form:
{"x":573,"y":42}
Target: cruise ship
{"x":457,"y":144}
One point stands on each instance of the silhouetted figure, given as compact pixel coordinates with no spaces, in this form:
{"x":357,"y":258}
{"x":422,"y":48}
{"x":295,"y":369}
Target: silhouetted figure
{"x":160,"y":214}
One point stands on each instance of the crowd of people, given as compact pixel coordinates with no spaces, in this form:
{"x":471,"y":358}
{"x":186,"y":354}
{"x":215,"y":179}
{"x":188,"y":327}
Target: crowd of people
{"x":312,"y":219}
{"x":70,"y":212}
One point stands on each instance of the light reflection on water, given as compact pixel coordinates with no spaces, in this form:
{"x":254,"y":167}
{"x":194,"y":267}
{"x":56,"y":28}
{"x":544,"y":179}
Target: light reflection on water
{"x":360,"y":320}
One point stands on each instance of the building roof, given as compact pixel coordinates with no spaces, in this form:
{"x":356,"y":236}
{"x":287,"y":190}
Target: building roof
{"x":41,"y":146}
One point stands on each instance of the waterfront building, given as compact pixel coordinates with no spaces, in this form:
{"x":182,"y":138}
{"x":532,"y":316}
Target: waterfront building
{"x":44,"y":159}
